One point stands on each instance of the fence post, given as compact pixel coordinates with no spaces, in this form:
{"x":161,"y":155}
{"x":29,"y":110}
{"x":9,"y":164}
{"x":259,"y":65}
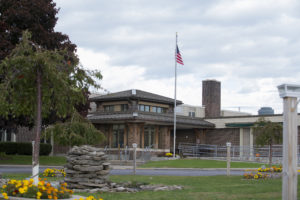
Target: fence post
{"x":228,"y":144}
{"x":290,"y":138}
{"x":134,"y":145}
{"x":119,"y":157}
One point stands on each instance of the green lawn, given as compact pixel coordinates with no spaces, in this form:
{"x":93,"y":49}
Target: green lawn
{"x":198,"y":163}
{"x":27,"y":160}
{"x":195,"y":188}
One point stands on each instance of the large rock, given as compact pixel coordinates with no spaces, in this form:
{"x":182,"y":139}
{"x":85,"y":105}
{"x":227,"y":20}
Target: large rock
{"x":87,"y":168}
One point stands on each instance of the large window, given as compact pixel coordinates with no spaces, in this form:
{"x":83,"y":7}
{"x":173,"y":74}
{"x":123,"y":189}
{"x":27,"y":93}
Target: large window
{"x":157,"y":109}
{"x":118,"y":136}
{"x":145,"y":108}
{"x":109,"y":108}
{"x":149,"y":136}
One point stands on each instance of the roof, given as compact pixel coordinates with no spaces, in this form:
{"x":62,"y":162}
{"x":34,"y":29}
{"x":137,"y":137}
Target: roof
{"x":135,"y":94}
{"x":166,"y":118}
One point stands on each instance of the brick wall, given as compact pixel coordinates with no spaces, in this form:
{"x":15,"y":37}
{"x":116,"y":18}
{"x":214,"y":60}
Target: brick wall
{"x":221,"y":136}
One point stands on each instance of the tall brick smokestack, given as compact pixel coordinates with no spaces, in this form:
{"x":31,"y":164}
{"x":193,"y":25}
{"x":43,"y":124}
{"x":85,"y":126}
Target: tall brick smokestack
{"x":211,"y":98}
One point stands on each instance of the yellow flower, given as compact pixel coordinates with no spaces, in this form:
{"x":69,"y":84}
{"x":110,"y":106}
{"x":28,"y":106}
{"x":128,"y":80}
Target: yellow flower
{"x":4,"y":186}
{"x":5,"y":195}
{"x":21,"y":190}
{"x":256,"y":177}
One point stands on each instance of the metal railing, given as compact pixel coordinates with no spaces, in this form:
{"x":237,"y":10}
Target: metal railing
{"x":243,"y":153}
{"x":126,"y":153}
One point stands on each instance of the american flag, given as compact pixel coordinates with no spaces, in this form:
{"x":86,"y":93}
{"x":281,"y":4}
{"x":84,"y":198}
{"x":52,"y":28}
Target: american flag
{"x":178,"y":56}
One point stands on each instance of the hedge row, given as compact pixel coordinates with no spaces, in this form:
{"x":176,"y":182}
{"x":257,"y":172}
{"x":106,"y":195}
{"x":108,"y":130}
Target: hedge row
{"x":23,"y":148}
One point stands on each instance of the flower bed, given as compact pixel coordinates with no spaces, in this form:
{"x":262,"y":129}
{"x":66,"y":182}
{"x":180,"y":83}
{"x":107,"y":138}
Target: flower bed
{"x":272,"y":169}
{"x":54,"y":172}
{"x":262,"y":173}
{"x":26,"y":188}
{"x":255,"y":176}
{"x":169,"y":154}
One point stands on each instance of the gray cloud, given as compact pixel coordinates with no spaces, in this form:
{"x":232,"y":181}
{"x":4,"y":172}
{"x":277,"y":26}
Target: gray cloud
{"x":228,"y":40}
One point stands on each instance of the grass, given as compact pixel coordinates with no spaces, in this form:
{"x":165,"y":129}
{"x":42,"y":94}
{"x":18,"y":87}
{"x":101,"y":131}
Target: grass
{"x":198,"y":163}
{"x":204,"y":187}
{"x":195,"y":188}
{"x":27,"y":160}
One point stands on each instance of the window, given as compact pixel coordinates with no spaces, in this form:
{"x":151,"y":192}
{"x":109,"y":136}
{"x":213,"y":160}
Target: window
{"x":144,"y":108}
{"x":118,"y":136}
{"x":141,"y":108}
{"x":147,"y":108}
{"x":124,"y":107}
{"x":149,"y":136}
{"x":109,"y":108}
{"x":191,"y":114}
{"x":159,"y":110}
{"x":154,"y":109}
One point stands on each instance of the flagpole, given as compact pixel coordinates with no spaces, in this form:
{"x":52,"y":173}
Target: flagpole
{"x":174,"y":142}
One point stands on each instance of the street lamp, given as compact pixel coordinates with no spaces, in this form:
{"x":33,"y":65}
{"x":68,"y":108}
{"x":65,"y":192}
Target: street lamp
{"x":289,"y":93}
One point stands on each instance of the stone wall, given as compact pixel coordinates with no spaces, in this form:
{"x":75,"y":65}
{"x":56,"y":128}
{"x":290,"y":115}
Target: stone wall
{"x":87,"y":168}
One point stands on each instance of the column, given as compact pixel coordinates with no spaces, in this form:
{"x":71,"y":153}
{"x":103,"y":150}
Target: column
{"x":251,"y":144}
{"x":290,"y":139}
{"x":133,"y":134}
{"x":241,"y":141}
{"x":156,"y":137}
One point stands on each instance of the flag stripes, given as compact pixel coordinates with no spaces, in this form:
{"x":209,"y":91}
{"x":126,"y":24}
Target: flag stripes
{"x":178,"y":56}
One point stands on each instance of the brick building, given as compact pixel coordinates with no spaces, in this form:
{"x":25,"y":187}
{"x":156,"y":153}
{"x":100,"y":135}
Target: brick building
{"x":136,"y":116}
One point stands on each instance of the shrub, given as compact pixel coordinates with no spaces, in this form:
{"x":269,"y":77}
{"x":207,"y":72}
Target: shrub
{"x":23,"y":148}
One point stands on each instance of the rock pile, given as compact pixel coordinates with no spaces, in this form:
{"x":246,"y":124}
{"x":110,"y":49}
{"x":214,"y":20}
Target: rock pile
{"x":86,"y":168}
{"x":129,"y":187}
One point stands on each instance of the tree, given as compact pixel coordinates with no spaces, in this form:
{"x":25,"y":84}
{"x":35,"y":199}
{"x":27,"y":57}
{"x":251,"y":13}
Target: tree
{"x":39,"y":17}
{"x":36,"y":16}
{"x":267,"y":133}
{"x":76,"y":131}
{"x":37,"y":82}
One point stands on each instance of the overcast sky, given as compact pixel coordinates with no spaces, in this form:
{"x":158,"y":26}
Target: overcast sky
{"x":251,"y":46}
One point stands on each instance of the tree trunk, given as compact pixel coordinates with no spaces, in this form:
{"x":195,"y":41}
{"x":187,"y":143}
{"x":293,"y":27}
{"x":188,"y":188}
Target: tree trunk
{"x":38,"y":129}
{"x":270,"y":155}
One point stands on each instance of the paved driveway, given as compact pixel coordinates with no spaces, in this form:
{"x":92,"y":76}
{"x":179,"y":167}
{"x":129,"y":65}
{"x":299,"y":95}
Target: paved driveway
{"x":148,"y":172}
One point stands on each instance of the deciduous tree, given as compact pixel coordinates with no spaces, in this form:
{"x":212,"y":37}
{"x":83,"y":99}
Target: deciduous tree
{"x":267,"y":133}
{"x":37,"y":82}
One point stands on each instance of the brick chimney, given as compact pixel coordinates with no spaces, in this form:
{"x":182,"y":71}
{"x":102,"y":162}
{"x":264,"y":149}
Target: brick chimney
{"x":211,"y":98}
